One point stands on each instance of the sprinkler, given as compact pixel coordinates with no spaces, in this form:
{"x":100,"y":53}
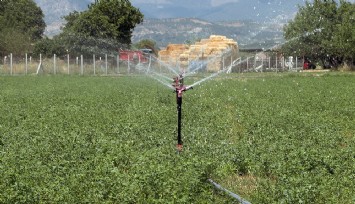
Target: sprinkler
{"x":179,"y":89}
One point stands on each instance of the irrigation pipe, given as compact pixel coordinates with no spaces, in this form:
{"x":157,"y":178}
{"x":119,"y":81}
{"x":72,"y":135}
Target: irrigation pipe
{"x":237,"y":197}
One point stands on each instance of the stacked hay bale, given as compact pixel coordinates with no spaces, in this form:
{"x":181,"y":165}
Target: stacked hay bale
{"x":218,"y":50}
{"x":171,"y":55}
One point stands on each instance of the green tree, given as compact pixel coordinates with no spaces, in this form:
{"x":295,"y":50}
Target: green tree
{"x":48,"y":47}
{"x":312,"y":32}
{"x":105,"y":26}
{"x":345,"y":32}
{"x":21,"y":24}
{"x":147,"y":44}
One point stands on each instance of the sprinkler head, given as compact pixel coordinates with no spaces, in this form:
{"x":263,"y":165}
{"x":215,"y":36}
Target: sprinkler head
{"x":179,"y":147}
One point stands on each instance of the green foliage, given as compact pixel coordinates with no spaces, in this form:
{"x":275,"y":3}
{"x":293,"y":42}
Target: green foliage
{"x":13,"y":41}
{"x":106,"y":25}
{"x":321,"y":31}
{"x":147,"y":44}
{"x":345,"y":35}
{"x":21,"y":23}
{"x":48,"y":47}
{"x":112,"y":140}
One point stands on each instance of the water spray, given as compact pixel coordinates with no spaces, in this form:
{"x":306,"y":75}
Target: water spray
{"x":179,"y":86}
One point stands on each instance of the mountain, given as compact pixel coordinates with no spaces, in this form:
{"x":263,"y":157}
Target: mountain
{"x":217,"y":10}
{"x":55,"y":10}
{"x":210,"y":10}
{"x":248,"y":34}
{"x":253,"y":23}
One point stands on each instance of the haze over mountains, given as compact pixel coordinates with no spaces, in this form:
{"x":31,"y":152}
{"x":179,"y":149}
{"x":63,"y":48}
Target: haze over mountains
{"x":266,"y":13}
{"x":218,"y":10}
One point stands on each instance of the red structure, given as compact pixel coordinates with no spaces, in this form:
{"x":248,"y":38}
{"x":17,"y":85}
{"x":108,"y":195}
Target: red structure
{"x":132,"y":56}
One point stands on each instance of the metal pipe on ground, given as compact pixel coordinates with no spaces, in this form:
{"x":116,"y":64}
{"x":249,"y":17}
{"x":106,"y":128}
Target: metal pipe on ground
{"x":237,"y":197}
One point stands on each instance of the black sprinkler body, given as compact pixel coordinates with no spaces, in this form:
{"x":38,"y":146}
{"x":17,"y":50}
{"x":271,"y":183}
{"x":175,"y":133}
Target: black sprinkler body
{"x":179,"y":89}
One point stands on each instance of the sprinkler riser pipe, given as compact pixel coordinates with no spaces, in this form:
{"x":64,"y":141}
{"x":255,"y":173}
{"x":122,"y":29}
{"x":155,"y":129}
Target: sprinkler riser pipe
{"x":179,"y":89}
{"x":179,"y":103}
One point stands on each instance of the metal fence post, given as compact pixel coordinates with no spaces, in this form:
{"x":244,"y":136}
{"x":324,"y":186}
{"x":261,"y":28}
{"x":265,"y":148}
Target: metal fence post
{"x":26,"y":64}
{"x":223,"y":66}
{"x":276,"y":63}
{"x":54,"y":64}
{"x":129,"y":65}
{"x":82,"y":64}
{"x":68,"y":57}
{"x":11,"y":71}
{"x":94,"y":63}
{"x":118,"y":64}
{"x":106,"y":64}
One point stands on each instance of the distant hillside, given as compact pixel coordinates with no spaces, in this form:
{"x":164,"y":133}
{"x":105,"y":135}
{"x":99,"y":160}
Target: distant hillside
{"x":188,"y":30}
{"x":217,"y":10}
{"x":248,"y":33}
{"x":209,"y":10}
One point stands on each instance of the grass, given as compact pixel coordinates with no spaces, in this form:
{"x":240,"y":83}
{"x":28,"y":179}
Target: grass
{"x":269,"y":138}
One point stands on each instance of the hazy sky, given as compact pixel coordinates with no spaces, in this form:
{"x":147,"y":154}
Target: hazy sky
{"x":219,"y":2}
{"x":211,"y":2}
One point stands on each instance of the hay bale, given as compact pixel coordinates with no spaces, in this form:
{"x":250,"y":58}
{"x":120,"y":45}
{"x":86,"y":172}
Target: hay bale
{"x":214,"y":46}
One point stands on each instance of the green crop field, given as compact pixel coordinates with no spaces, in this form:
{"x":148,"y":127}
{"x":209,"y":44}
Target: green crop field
{"x":278,"y":138}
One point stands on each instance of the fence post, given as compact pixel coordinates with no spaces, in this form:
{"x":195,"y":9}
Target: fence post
{"x":106,"y":64}
{"x":94,"y":63}
{"x":276,"y":63}
{"x":129,"y":65}
{"x":11,"y":64}
{"x":231,"y":66}
{"x":40,"y":64}
{"x":54,"y":64}
{"x":26,"y":64}
{"x":247,"y":64}
{"x":68,"y":57}
{"x":118,"y":64}
{"x":159,"y":64}
{"x":296,"y":63}
{"x":269,"y":63}
{"x":223,"y":66}
{"x":82,"y":64}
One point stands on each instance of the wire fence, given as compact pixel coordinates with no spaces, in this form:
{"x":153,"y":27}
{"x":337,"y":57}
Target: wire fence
{"x":114,"y":64}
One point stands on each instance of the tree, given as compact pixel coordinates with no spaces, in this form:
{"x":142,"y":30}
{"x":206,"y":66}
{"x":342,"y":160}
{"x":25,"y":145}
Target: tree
{"x":345,"y":32}
{"x":105,"y":26}
{"x":312,"y":32}
{"x":21,"y":24}
{"x":48,"y":47}
{"x":147,"y":44}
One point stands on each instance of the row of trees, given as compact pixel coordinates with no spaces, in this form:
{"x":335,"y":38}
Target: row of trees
{"x":323,"y":32}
